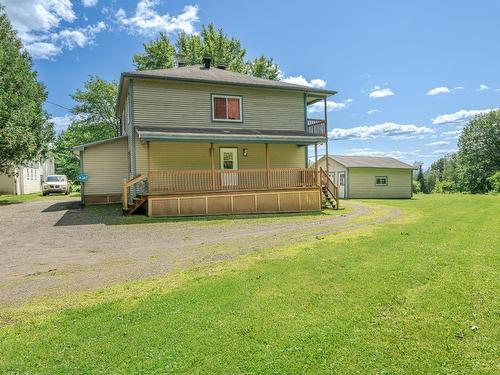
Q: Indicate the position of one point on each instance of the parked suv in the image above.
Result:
(56, 184)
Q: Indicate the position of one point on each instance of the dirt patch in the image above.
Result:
(49, 248)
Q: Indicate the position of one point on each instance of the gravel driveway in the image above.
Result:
(54, 246)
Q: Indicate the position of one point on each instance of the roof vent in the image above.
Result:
(181, 61)
(222, 66)
(206, 62)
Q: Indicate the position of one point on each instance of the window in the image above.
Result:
(381, 181)
(226, 108)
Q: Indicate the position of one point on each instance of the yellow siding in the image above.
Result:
(172, 155)
(361, 183)
(106, 165)
(189, 104)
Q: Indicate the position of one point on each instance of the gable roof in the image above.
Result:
(197, 73)
(352, 161)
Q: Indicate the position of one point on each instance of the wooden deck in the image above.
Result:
(211, 191)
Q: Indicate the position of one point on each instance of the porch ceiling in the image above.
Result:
(184, 134)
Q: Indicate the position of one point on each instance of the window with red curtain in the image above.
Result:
(226, 108)
(233, 109)
(220, 109)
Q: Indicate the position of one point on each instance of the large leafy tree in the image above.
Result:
(158, 54)
(96, 103)
(263, 67)
(211, 42)
(479, 152)
(95, 120)
(25, 131)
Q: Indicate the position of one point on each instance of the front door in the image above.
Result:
(341, 184)
(229, 166)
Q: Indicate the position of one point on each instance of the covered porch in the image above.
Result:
(232, 173)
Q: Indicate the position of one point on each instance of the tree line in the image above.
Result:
(474, 168)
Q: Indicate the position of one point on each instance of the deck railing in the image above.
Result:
(207, 180)
(316, 127)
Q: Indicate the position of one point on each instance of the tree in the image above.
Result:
(211, 42)
(421, 180)
(25, 132)
(479, 152)
(263, 67)
(66, 162)
(158, 54)
(97, 103)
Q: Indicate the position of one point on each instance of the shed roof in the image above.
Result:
(353, 161)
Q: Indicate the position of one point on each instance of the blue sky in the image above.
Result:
(409, 74)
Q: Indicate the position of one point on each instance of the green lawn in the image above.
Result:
(418, 296)
(6, 199)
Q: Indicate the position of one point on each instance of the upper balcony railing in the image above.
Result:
(316, 127)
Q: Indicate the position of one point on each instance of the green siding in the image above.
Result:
(189, 104)
(361, 182)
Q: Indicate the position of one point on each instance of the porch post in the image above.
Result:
(326, 144)
(316, 169)
(212, 161)
(149, 159)
(267, 165)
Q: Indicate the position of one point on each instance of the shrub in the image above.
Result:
(494, 182)
(444, 186)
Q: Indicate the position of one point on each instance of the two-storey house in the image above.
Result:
(201, 140)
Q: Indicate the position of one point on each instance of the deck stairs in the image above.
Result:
(329, 191)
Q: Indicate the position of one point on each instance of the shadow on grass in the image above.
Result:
(112, 215)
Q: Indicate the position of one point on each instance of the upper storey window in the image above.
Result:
(226, 108)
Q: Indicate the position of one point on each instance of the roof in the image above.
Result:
(85, 145)
(151, 133)
(352, 161)
(197, 73)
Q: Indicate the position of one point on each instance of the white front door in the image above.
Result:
(341, 184)
(229, 166)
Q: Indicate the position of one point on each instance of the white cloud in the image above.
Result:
(483, 88)
(300, 80)
(378, 92)
(79, 37)
(89, 3)
(62, 122)
(388, 129)
(445, 151)
(43, 50)
(330, 106)
(438, 90)
(438, 143)
(372, 111)
(458, 88)
(147, 21)
(459, 116)
(39, 25)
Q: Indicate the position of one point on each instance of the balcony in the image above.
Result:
(316, 127)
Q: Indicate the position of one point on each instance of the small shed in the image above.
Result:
(369, 176)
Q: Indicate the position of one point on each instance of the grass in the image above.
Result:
(416, 296)
(6, 199)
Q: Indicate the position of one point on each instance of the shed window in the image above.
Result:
(226, 108)
(381, 181)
